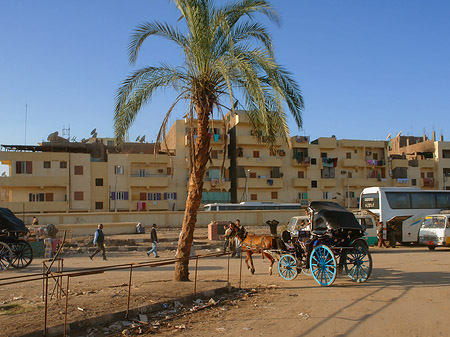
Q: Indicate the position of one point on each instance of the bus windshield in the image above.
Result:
(434, 222)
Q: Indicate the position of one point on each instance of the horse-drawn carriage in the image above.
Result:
(332, 241)
(14, 251)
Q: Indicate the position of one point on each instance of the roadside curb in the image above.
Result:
(58, 330)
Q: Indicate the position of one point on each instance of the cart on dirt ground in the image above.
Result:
(333, 241)
(14, 251)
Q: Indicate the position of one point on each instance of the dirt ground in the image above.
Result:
(407, 295)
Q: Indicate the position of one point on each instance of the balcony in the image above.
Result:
(259, 162)
(215, 184)
(261, 183)
(159, 205)
(401, 182)
(305, 162)
(427, 163)
(37, 207)
(252, 140)
(28, 180)
(215, 139)
(353, 162)
(399, 163)
(153, 180)
(301, 182)
(427, 182)
(329, 182)
(148, 159)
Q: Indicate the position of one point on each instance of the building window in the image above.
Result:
(348, 155)
(327, 195)
(47, 164)
(35, 197)
(255, 154)
(24, 167)
(445, 153)
(99, 182)
(323, 155)
(48, 196)
(253, 196)
(142, 196)
(303, 195)
(154, 196)
(118, 169)
(430, 174)
(109, 143)
(327, 173)
(252, 174)
(274, 195)
(313, 161)
(170, 196)
(98, 205)
(413, 182)
(375, 156)
(78, 170)
(63, 164)
(78, 196)
(314, 183)
(300, 174)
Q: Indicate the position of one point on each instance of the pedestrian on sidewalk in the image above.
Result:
(381, 242)
(237, 242)
(154, 240)
(229, 240)
(99, 241)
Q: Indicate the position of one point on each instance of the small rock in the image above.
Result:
(126, 332)
(143, 318)
(177, 304)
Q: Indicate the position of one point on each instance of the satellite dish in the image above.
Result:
(93, 131)
(142, 139)
(388, 136)
(74, 139)
(137, 139)
(398, 134)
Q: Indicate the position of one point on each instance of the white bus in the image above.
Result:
(251, 206)
(403, 208)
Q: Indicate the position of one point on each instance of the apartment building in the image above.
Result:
(420, 162)
(97, 176)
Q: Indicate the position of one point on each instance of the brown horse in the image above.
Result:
(251, 243)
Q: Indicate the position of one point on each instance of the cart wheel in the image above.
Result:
(22, 254)
(306, 272)
(358, 263)
(323, 265)
(287, 267)
(5, 256)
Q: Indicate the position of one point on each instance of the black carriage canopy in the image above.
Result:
(11, 223)
(329, 215)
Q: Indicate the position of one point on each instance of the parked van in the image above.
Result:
(435, 231)
(370, 228)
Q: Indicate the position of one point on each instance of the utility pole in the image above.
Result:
(247, 173)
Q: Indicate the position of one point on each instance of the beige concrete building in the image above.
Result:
(96, 176)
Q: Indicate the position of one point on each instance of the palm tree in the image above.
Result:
(226, 53)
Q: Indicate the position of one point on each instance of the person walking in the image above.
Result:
(154, 239)
(237, 242)
(99, 241)
(381, 242)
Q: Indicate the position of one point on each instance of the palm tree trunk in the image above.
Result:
(194, 195)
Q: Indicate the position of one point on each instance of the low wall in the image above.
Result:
(125, 222)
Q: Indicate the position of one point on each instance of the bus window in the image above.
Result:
(370, 201)
(398, 200)
(213, 208)
(423, 200)
(443, 200)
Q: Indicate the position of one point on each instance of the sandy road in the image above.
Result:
(408, 294)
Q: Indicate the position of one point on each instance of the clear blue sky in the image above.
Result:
(366, 68)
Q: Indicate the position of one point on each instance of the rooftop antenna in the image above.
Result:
(26, 114)
(66, 132)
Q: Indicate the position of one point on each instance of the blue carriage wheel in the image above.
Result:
(323, 265)
(5, 256)
(358, 263)
(287, 267)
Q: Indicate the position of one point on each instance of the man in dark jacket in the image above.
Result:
(154, 240)
(99, 241)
